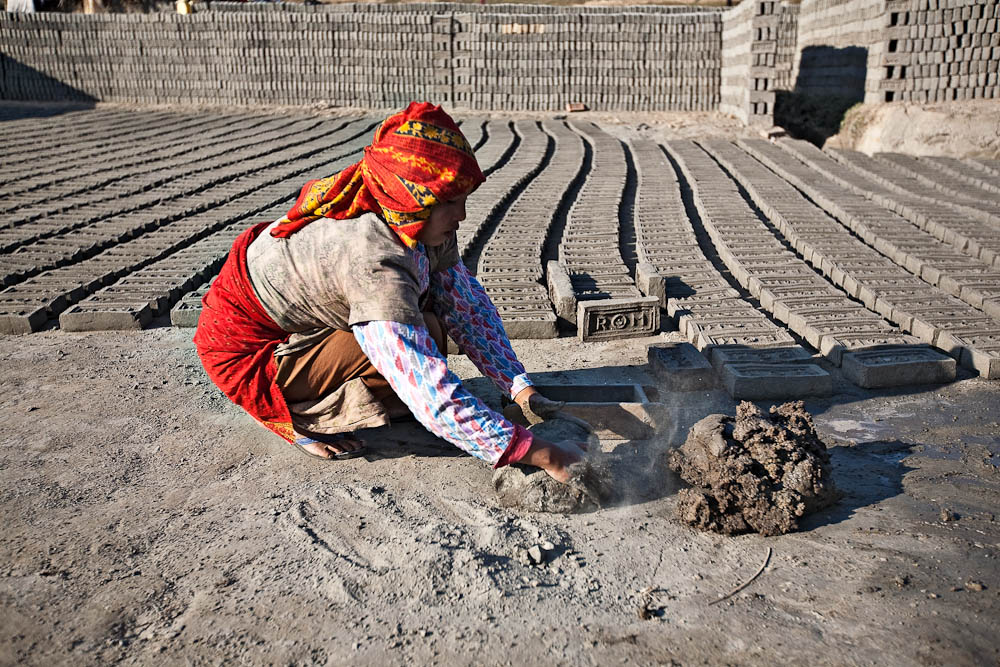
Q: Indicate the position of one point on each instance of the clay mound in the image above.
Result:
(531, 489)
(753, 473)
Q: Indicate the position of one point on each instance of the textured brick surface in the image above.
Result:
(680, 367)
(610, 319)
(753, 382)
(893, 367)
(761, 253)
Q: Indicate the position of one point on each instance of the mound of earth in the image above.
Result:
(953, 129)
(754, 473)
(529, 488)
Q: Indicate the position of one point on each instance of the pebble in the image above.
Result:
(536, 555)
(948, 515)
(548, 546)
(975, 586)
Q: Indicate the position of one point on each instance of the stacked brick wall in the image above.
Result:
(839, 48)
(628, 61)
(756, 58)
(378, 56)
(940, 50)
(511, 57)
(737, 36)
(786, 46)
(443, 7)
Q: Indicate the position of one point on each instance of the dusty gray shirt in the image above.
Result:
(332, 274)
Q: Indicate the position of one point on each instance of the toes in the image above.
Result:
(346, 446)
(318, 449)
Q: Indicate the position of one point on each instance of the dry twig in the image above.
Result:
(767, 559)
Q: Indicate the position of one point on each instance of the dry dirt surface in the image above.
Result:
(146, 520)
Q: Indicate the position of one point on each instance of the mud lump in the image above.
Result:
(754, 473)
(531, 489)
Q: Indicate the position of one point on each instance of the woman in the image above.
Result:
(319, 330)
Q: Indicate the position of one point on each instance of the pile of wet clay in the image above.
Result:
(529, 488)
(754, 473)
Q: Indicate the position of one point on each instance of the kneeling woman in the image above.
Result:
(333, 318)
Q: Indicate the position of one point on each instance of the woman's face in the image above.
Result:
(443, 222)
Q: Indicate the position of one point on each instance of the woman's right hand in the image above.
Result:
(554, 457)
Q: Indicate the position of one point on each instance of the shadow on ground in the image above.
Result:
(830, 81)
(866, 473)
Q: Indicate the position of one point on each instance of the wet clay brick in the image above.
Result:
(612, 319)
(681, 367)
(101, 317)
(897, 367)
(775, 381)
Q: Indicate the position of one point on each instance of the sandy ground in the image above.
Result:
(148, 521)
(953, 129)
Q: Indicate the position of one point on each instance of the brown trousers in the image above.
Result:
(316, 371)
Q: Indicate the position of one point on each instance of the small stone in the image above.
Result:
(548, 546)
(948, 515)
(536, 555)
(975, 586)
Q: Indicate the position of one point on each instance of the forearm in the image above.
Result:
(409, 360)
(472, 321)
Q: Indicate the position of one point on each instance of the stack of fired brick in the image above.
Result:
(839, 49)
(589, 251)
(957, 315)
(791, 290)
(758, 39)
(96, 236)
(941, 50)
(438, 7)
(489, 57)
(630, 60)
(708, 311)
(245, 58)
(511, 265)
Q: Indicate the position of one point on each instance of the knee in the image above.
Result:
(436, 329)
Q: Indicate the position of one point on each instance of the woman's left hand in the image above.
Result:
(534, 404)
(536, 408)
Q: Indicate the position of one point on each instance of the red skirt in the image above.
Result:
(236, 340)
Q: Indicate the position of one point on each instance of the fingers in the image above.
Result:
(558, 474)
(543, 407)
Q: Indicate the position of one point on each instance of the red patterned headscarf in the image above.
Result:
(418, 158)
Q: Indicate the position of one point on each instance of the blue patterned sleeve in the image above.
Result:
(472, 321)
(409, 360)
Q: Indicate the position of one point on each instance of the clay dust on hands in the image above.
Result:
(532, 489)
